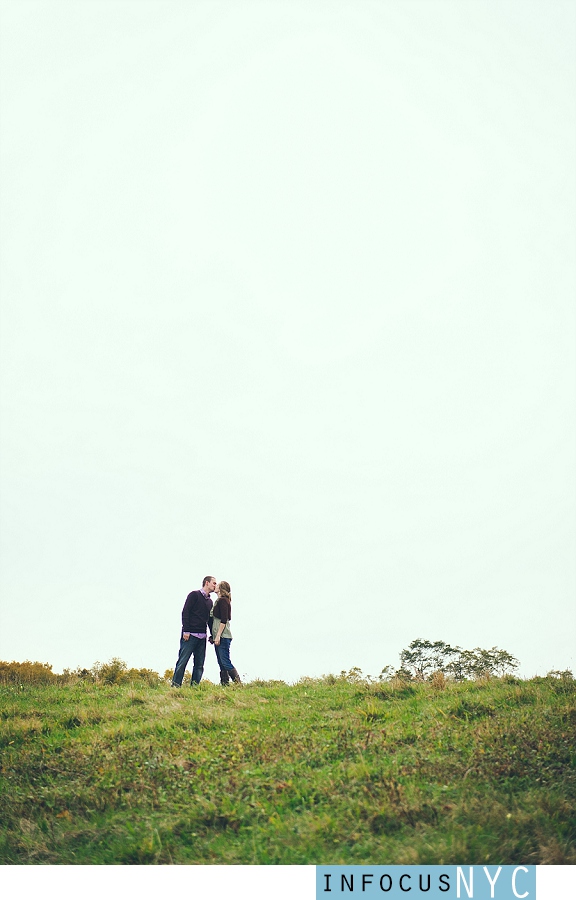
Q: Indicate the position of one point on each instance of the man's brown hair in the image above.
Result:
(208, 578)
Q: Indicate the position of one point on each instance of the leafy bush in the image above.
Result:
(354, 676)
(113, 672)
(116, 671)
(27, 673)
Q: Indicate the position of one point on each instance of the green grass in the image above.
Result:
(322, 772)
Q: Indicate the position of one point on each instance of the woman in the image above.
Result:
(221, 634)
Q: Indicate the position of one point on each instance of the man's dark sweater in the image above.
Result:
(196, 613)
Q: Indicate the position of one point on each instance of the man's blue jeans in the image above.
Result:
(196, 646)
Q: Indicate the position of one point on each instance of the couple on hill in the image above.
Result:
(198, 615)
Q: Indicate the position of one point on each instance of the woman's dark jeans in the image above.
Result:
(223, 654)
(196, 646)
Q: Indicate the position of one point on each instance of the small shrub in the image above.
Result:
(355, 676)
(146, 676)
(113, 672)
(117, 672)
(401, 675)
(561, 682)
(69, 676)
(438, 681)
(563, 675)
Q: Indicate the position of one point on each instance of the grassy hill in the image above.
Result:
(326, 771)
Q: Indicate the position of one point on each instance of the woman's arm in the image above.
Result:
(221, 628)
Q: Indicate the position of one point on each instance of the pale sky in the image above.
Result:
(288, 298)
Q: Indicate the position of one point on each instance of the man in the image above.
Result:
(195, 617)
